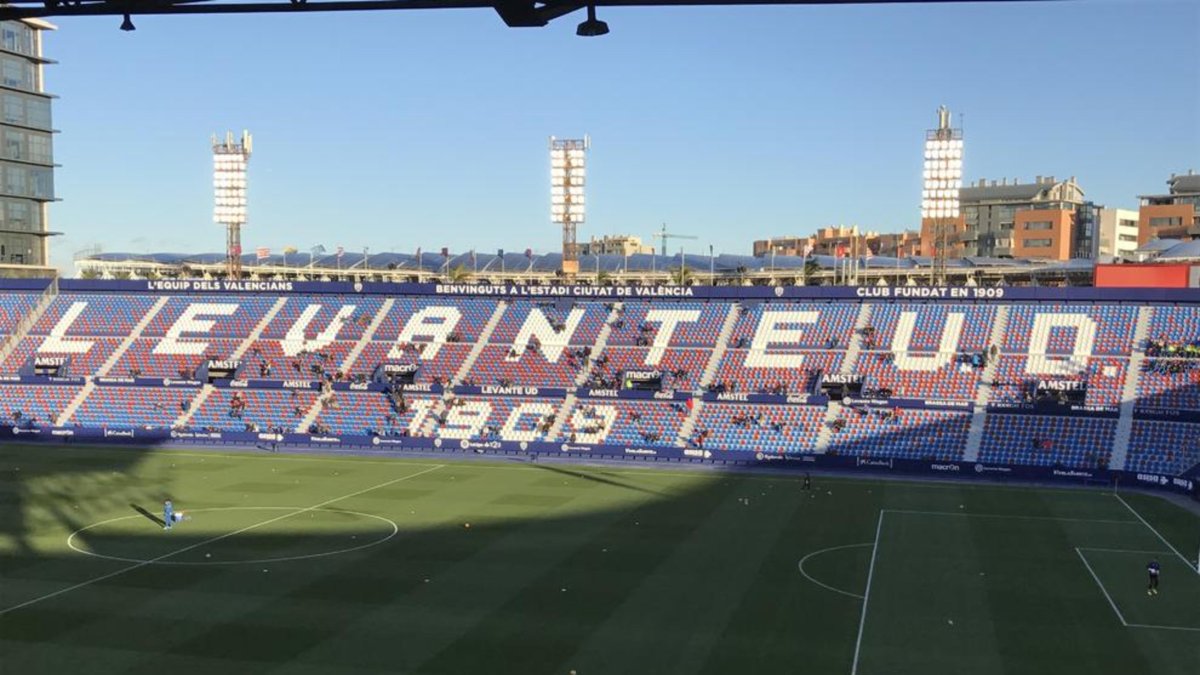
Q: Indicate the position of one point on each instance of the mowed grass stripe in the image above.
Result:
(730, 546)
(597, 582)
(475, 573)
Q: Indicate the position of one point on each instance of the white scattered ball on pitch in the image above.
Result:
(950, 621)
(564, 590)
(264, 570)
(829, 492)
(426, 581)
(207, 555)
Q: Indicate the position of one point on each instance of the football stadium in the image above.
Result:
(933, 452)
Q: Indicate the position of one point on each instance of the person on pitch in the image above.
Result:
(1153, 569)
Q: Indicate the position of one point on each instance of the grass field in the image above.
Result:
(307, 566)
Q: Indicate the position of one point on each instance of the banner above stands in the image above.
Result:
(818, 293)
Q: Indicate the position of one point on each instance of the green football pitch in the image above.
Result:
(320, 565)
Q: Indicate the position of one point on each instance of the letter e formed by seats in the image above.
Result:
(902, 339)
(189, 323)
(769, 332)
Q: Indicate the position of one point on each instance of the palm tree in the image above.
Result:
(121, 275)
(90, 273)
(681, 276)
(459, 273)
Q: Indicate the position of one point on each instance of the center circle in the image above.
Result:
(383, 529)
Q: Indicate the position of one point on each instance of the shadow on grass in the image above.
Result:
(594, 478)
(158, 521)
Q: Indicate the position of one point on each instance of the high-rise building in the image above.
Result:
(1047, 219)
(26, 156)
(1117, 233)
(1175, 215)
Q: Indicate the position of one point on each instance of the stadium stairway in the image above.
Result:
(207, 390)
(850, 360)
(984, 393)
(560, 419)
(314, 411)
(718, 352)
(689, 424)
(113, 358)
(367, 336)
(834, 410)
(1137, 358)
(106, 367)
(430, 428)
(485, 337)
(825, 435)
(21, 330)
(601, 343)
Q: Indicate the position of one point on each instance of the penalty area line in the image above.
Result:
(1103, 590)
(1186, 563)
(212, 540)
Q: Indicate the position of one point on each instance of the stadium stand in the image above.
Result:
(14, 307)
(638, 423)
(774, 429)
(909, 434)
(1163, 447)
(324, 363)
(1036, 440)
(132, 407)
(23, 405)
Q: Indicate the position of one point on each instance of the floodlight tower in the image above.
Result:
(568, 176)
(942, 183)
(229, 194)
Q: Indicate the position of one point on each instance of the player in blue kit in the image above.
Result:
(1153, 569)
(168, 514)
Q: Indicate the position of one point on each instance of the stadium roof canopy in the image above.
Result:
(1184, 250)
(548, 263)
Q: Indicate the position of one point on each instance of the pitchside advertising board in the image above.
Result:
(396, 445)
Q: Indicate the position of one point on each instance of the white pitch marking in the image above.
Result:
(298, 509)
(862, 622)
(1186, 563)
(185, 549)
(1015, 516)
(1101, 585)
(824, 585)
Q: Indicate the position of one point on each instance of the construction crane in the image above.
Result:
(664, 235)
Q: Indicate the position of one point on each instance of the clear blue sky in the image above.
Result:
(406, 129)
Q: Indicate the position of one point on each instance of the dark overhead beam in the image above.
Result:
(514, 12)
